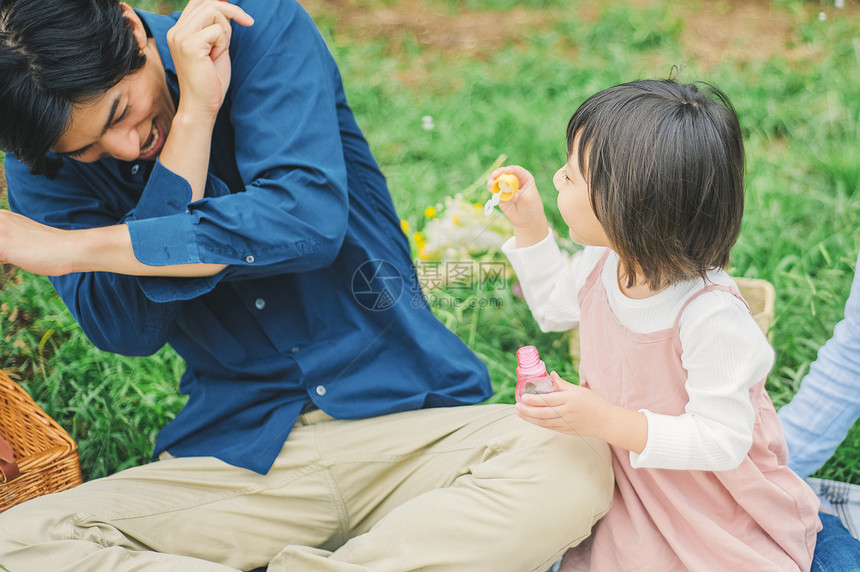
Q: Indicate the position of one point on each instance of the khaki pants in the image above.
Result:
(463, 489)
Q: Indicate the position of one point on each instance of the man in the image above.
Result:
(247, 224)
(817, 420)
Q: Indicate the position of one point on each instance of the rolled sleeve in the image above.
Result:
(164, 241)
(276, 199)
(165, 193)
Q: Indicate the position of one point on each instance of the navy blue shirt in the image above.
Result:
(319, 303)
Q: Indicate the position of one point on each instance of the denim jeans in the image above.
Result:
(836, 550)
(827, 404)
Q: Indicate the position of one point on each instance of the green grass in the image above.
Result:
(112, 405)
(801, 230)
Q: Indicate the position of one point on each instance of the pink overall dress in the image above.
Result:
(758, 517)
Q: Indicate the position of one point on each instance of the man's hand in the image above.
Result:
(199, 44)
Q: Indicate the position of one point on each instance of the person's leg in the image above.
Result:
(455, 488)
(835, 549)
(827, 404)
(180, 514)
(466, 488)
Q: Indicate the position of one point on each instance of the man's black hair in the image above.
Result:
(55, 54)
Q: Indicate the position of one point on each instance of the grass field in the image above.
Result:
(502, 77)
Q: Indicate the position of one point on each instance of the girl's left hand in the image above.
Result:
(577, 410)
(571, 409)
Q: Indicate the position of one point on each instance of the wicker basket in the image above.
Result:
(47, 457)
(759, 294)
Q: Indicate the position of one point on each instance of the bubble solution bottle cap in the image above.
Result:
(531, 373)
(529, 362)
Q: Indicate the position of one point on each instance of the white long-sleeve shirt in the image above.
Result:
(724, 351)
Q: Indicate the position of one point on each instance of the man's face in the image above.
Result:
(129, 122)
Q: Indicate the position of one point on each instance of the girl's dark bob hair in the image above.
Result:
(664, 163)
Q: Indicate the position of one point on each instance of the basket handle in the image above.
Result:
(8, 466)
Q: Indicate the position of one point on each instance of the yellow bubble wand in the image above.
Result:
(504, 188)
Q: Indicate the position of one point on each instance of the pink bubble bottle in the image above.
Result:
(531, 373)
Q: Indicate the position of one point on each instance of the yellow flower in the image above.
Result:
(430, 212)
(456, 219)
(478, 206)
(418, 238)
(404, 226)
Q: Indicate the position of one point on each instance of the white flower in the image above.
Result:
(462, 229)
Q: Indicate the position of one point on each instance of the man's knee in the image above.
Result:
(33, 522)
(577, 475)
(565, 482)
(54, 528)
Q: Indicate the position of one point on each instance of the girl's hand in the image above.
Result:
(576, 410)
(572, 409)
(525, 210)
(199, 43)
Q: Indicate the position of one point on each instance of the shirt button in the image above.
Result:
(320, 390)
(135, 169)
(294, 349)
(260, 303)
(249, 259)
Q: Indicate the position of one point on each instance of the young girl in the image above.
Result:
(673, 366)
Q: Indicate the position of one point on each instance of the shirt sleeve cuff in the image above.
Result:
(165, 193)
(164, 241)
(167, 241)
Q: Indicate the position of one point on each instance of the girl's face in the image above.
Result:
(574, 204)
